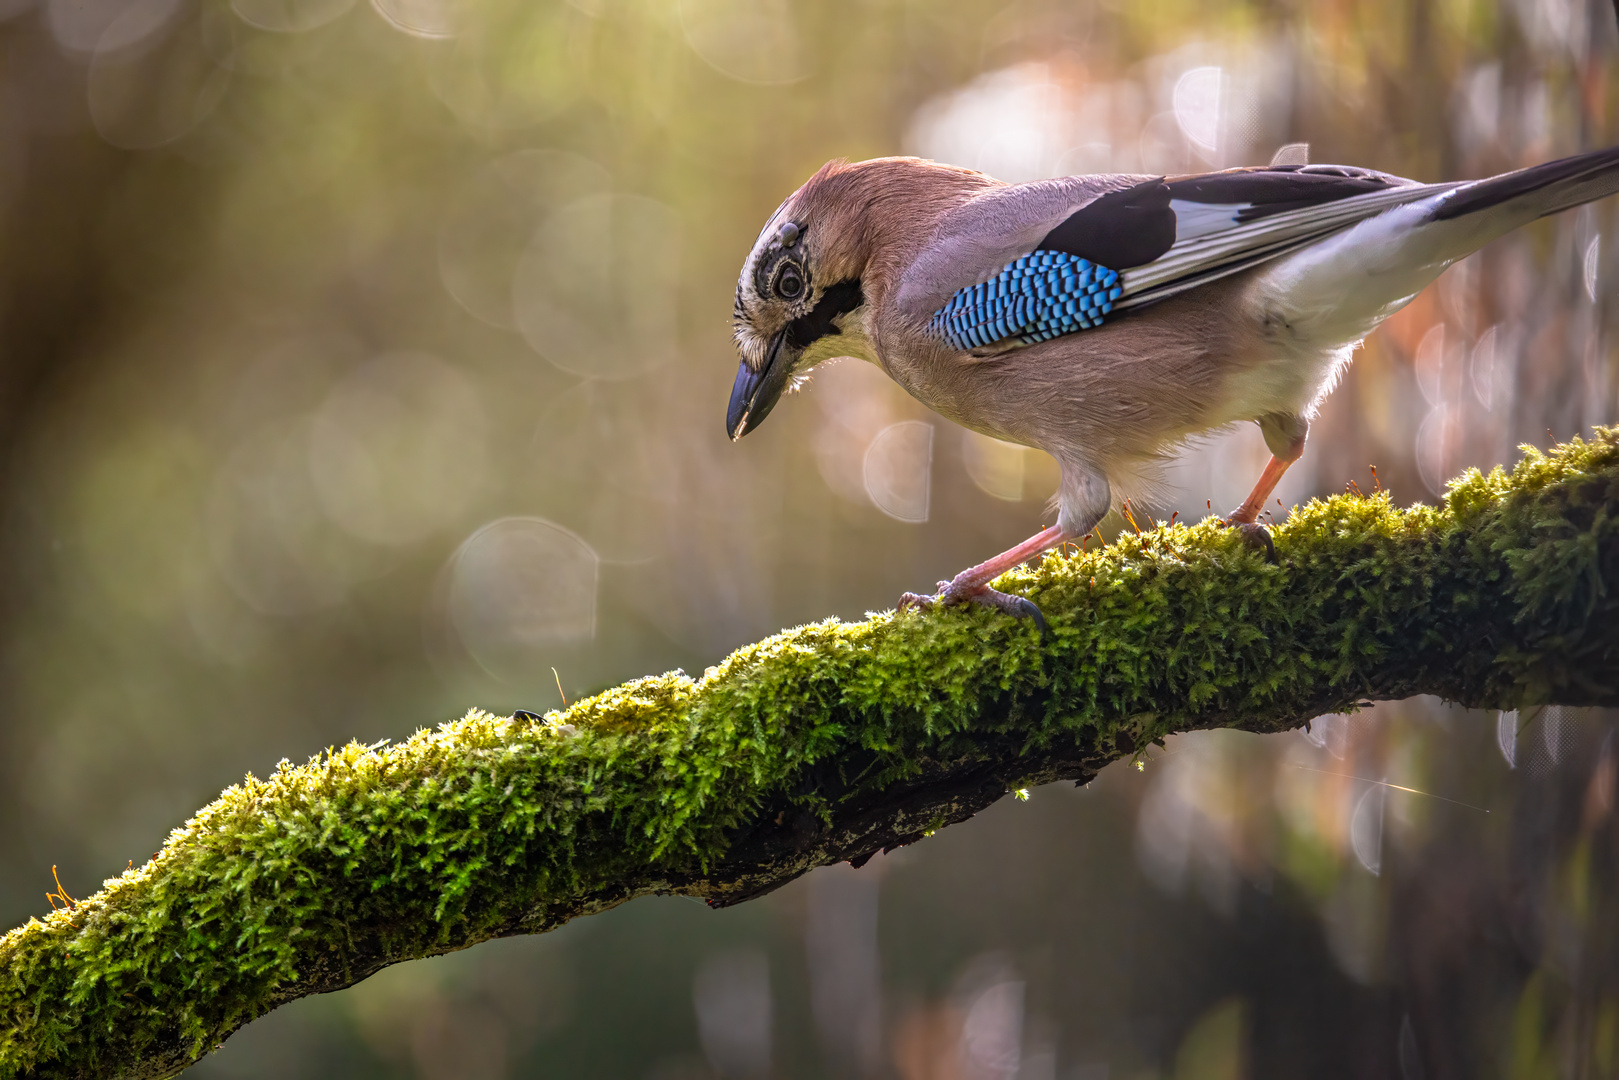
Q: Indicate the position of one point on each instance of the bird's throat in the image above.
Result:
(850, 338)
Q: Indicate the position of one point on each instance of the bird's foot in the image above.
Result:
(959, 592)
(1255, 536)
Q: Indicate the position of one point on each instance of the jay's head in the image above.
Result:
(799, 282)
(836, 243)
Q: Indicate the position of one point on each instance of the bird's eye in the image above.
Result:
(790, 286)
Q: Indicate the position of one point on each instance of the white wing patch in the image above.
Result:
(1193, 219)
(1229, 249)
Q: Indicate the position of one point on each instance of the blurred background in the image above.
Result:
(362, 361)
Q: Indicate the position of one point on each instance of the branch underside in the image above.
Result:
(825, 743)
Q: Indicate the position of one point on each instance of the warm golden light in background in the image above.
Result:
(364, 362)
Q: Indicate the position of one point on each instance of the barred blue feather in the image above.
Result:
(1037, 297)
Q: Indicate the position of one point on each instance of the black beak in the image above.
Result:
(756, 392)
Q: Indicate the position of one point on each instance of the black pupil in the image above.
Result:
(790, 284)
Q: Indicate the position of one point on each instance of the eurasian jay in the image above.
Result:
(1105, 319)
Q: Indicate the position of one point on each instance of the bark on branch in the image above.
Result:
(824, 743)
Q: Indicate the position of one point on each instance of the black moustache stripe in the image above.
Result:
(835, 300)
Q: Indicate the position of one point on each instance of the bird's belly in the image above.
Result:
(1291, 381)
(1127, 391)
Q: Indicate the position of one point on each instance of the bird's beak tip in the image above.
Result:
(755, 392)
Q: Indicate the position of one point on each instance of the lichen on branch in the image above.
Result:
(828, 742)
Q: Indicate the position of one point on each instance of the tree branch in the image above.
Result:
(824, 743)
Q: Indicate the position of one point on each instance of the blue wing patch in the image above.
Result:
(1039, 296)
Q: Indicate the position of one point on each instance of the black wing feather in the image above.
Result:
(1132, 227)
(1119, 230)
(1274, 189)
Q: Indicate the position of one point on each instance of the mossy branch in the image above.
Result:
(824, 743)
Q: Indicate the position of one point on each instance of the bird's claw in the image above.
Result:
(950, 592)
(1256, 536)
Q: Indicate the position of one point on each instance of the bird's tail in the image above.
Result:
(1519, 197)
(1338, 290)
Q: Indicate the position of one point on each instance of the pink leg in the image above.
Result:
(985, 572)
(972, 584)
(1285, 436)
(1248, 512)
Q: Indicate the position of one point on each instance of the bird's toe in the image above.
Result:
(951, 593)
(1019, 607)
(956, 592)
(915, 602)
(1257, 537)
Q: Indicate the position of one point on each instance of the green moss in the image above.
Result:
(805, 748)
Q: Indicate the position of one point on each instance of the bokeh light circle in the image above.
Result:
(146, 90)
(86, 26)
(597, 289)
(289, 16)
(898, 470)
(488, 224)
(421, 18)
(520, 586)
(239, 40)
(1197, 103)
(996, 467)
(514, 65)
(752, 41)
(268, 535)
(596, 453)
(398, 448)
